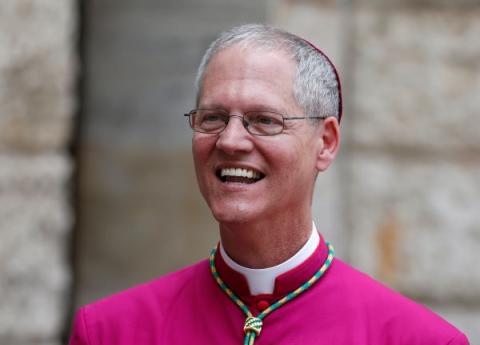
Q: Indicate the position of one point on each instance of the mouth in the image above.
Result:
(239, 175)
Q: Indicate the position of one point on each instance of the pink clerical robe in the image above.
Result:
(346, 307)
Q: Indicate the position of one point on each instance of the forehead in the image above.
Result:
(249, 75)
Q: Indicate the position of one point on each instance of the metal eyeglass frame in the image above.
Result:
(242, 117)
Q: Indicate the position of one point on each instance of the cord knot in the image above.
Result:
(253, 324)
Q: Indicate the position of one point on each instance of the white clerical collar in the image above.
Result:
(262, 281)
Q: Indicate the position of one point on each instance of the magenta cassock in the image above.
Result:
(187, 307)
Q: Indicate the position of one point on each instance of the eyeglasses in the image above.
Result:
(214, 121)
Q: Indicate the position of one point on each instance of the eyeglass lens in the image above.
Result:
(256, 122)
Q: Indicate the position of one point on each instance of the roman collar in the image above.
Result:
(287, 276)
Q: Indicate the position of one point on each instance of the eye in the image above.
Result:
(210, 121)
(212, 117)
(264, 122)
(265, 119)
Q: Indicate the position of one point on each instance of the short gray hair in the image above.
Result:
(316, 86)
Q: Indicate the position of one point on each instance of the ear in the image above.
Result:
(329, 142)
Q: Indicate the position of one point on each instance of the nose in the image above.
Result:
(235, 138)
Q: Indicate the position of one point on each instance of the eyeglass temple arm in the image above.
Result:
(306, 117)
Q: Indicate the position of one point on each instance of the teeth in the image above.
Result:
(240, 173)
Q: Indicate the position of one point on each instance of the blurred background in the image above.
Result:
(97, 189)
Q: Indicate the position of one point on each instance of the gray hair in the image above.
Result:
(316, 87)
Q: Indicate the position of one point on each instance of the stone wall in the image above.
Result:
(407, 182)
(37, 69)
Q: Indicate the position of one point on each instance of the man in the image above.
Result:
(266, 123)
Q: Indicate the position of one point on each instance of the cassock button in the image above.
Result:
(262, 305)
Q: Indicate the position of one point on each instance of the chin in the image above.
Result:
(234, 214)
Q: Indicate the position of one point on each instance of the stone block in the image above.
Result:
(323, 25)
(419, 4)
(416, 224)
(416, 79)
(37, 68)
(34, 223)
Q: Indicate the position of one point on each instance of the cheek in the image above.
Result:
(202, 151)
(297, 165)
(201, 148)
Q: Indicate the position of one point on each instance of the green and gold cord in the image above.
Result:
(253, 324)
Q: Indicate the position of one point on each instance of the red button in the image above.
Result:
(262, 305)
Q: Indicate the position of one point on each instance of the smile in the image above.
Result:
(239, 175)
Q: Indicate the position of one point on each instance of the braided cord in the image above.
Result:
(253, 324)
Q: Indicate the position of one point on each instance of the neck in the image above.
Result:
(262, 281)
(265, 243)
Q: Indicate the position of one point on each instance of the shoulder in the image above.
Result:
(401, 319)
(146, 305)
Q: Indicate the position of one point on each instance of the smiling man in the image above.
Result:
(266, 124)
